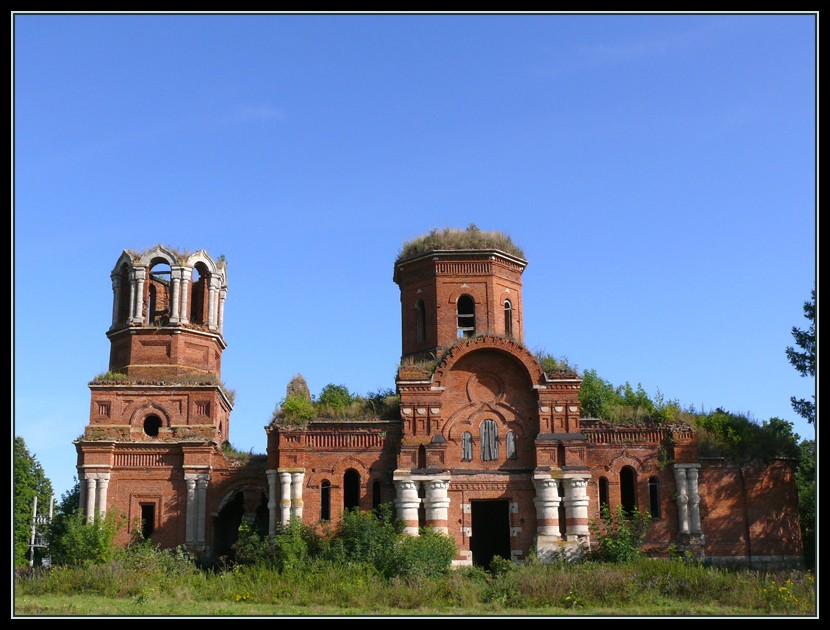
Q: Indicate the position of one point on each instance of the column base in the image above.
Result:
(554, 549)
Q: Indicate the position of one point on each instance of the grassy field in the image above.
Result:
(644, 588)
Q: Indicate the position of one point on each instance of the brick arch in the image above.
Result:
(137, 417)
(457, 293)
(237, 486)
(510, 347)
(626, 459)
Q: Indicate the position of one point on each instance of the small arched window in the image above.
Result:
(152, 424)
(508, 318)
(654, 496)
(420, 322)
(489, 440)
(466, 316)
(510, 445)
(467, 447)
(325, 500)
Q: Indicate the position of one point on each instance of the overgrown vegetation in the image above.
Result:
(195, 378)
(457, 239)
(372, 538)
(298, 407)
(143, 580)
(618, 536)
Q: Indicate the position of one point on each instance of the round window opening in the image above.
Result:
(152, 425)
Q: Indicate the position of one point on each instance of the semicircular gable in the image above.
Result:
(505, 345)
(128, 258)
(158, 254)
(201, 257)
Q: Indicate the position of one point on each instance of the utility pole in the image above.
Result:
(39, 522)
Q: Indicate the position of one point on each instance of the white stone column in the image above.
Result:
(272, 501)
(184, 314)
(407, 503)
(201, 507)
(576, 508)
(175, 290)
(297, 494)
(693, 495)
(285, 497)
(91, 482)
(138, 313)
(131, 311)
(437, 503)
(682, 498)
(190, 514)
(547, 508)
(221, 319)
(213, 302)
(101, 499)
(116, 295)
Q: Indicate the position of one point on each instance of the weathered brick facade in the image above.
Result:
(488, 448)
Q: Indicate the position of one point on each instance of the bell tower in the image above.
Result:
(161, 412)
(450, 289)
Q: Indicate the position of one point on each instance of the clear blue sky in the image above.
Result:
(659, 172)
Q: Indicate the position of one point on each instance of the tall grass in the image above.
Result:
(152, 580)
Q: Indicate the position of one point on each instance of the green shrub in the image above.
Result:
(296, 410)
(74, 542)
(427, 555)
(619, 536)
(290, 547)
(335, 396)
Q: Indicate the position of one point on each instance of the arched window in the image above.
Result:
(489, 440)
(508, 318)
(325, 500)
(152, 424)
(420, 322)
(351, 489)
(510, 445)
(376, 496)
(467, 447)
(628, 489)
(158, 294)
(603, 493)
(422, 456)
(466, 316)
(654, 497)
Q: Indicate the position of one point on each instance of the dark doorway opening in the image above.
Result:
(226, 526)
(148, 520)
(490, 531)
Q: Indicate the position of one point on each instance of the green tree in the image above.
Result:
(29, 482)
(805, 478)
(804, 360)
(336, 396)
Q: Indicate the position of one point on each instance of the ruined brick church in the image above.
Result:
(486, 447)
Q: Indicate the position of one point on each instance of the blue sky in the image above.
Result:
(659, 172)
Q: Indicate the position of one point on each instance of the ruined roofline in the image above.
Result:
(470, 240)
